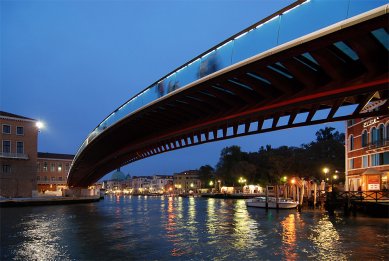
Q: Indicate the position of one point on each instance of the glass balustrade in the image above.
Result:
(296, 22)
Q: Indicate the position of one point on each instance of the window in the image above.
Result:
(52, 178)
(38, 166)
(67, 166)
(351, 144)
(351, 163)
(59, 167)
(365, 162)
(6, 129)
(364, 138)
(45, 178)
(387, 131)
(6, 168)
(380, 134)
(38, 178)
(6, 146)
(20, 147)
(52, 167)
(60, 178)
(45, 166)
(373, 137)
(380, 159)
(19, 130)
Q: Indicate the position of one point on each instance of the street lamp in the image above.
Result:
(211, 183)
(242, 181)
(326, 170)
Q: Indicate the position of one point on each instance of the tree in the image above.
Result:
(206, 174)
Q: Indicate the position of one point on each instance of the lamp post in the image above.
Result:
(326, 170)
(242, 181)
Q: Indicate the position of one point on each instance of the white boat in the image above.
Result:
(260, 202)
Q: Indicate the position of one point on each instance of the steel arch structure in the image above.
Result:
(345, 64)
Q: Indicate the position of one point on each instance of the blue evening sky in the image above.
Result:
(70, 63)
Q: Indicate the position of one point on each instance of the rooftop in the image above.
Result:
(11, 115)
(47, 155)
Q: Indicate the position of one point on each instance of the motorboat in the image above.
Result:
(260, 202)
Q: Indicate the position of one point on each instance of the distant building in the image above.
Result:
(367, 154)
(52, 171)
(116, 181)
(186, 181)
(141, 184)
(161, 184)
(18, 155)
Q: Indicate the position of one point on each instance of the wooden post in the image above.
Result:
(301, 196)
(267, 197)
(314, 195)
(276, 196)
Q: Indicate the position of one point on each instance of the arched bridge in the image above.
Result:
(299, 66)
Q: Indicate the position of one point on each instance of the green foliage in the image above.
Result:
(269, 165)
(206, 174)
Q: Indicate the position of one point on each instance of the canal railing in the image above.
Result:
(374, 203)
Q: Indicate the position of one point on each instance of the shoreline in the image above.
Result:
(44, 201)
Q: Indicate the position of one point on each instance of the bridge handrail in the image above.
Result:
(277, 29)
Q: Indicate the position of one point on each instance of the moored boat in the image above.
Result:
(260, 202)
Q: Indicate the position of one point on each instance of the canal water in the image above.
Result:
(166, 228)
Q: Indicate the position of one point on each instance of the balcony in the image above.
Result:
(377, 144)
(10, 155)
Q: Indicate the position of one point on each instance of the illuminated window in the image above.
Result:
(45, 166)
(52, 167)
(59, 167)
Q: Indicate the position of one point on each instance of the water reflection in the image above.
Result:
(289, 244)
(40, 239)
(326, 240)
(171, 228)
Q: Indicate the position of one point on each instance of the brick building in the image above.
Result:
(18, 155)
(367, 153)
(52, 171)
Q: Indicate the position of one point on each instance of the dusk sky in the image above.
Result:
(70, 63)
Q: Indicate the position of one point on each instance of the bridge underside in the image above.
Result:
(282, 90)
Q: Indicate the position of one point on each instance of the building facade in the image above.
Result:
(52, 171)
(18, 155)
(186, 182)
(161, 184)
(367, 154)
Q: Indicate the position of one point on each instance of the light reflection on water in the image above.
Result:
(167, 228)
